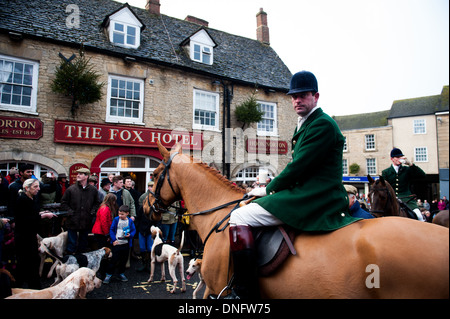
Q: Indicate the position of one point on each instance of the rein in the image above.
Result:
(159, 201)
(159, 184)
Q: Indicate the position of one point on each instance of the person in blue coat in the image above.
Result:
(121, 232)
(354, 205)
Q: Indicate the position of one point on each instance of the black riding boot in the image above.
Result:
(244, 262)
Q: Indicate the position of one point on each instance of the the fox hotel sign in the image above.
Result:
(116, 135)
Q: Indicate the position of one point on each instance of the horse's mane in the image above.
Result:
(216, 174)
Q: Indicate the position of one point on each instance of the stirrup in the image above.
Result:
(227, 287)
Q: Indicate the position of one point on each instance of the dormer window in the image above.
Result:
(124, 28)
(124, 34)
(202, 53)
(200, 47)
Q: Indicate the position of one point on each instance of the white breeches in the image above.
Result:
(419, 214)
(253, 215)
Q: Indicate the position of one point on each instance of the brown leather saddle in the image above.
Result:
(273, 245)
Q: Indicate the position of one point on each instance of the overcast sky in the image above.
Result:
(364, 53)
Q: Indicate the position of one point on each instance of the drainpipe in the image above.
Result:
(226, 123)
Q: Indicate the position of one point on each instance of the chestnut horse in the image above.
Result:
(383, 200)
(377, 258)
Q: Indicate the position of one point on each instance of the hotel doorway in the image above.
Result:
(139, 167)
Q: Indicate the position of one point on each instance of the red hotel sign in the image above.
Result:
(266, 146)
(116, 135)
(20, 127)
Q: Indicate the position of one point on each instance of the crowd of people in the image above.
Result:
(108, 216)
(112, 213)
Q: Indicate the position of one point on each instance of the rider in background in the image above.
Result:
(400, 175)
(295, 196)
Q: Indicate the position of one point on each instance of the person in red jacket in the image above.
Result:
(105, 214)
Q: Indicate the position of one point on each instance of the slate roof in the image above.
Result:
(362, 121)
(236, 58)
(426, 105)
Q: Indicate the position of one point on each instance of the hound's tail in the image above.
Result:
(181, 243)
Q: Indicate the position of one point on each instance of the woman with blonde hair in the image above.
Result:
(27, 217)
(105, 214)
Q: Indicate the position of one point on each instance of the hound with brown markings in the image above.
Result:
(75, 286)
(163, 252)
(195, 266)
(51, 245)
(71, 263)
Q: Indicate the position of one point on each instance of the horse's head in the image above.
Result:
(382, 197)
(165, 190)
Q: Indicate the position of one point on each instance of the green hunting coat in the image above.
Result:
(308, 194)
(400, 182)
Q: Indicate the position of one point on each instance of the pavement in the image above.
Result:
(137, 286)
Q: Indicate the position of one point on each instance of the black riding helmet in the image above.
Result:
(303, 81)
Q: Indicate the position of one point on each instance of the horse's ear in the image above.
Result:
(163, 151)
(382, 181)
(370, 179)
(178, 148)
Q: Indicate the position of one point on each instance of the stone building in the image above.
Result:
(418, 126)
(164, 79)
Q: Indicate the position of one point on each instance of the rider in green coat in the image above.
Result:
(308, 194)
(400, 175)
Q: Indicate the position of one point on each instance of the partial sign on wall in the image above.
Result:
(20, 127)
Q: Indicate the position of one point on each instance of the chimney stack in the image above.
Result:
(197, 20)
(262, 30)
(153, 7)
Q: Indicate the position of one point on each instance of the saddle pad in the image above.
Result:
(271, 249)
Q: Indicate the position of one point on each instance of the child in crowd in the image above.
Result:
(103, 221)
(121, 232)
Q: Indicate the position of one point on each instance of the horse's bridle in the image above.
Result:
(159, 202)
(389, 198)
(157, 194)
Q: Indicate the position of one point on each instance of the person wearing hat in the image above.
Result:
(13, 175)
(105, 186)
(81, 202)
(400, 175)
(307, 195)
(354, 205)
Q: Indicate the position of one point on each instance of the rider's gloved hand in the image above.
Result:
(258, 192)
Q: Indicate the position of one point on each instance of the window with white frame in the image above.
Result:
(124, 29)
(420, 126)
(206, 110)
(420, 154)
(345, 144)
(201, 47)
(268, 124)
(202, 53)
(124, 34)
(370, 142)
(344, 166)
(125, 100)
(371, 164)
(18, 84)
